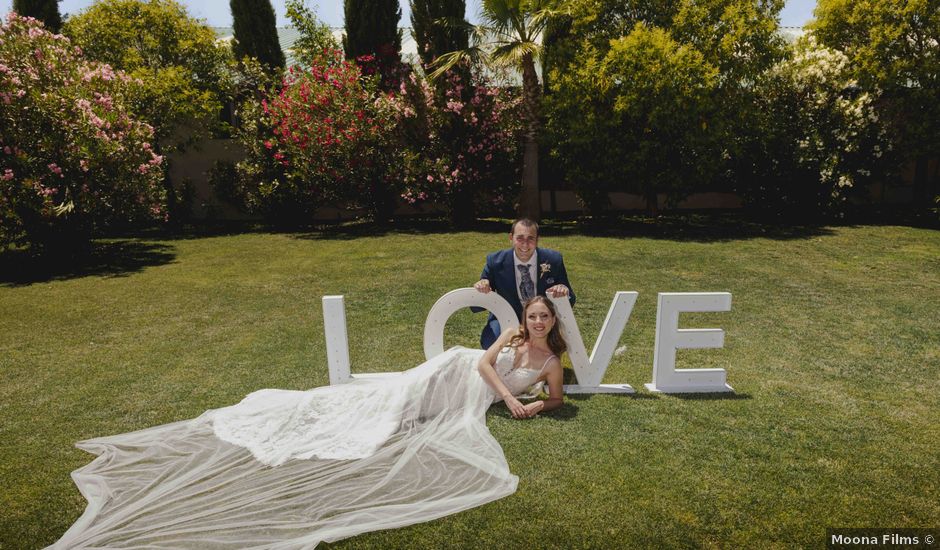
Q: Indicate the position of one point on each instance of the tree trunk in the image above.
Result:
(920, 181)
(530, 199)
(463, 208)
(173, 205)
(529, 203)
(652, 203)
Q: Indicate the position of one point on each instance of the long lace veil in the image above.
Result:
(288, 469)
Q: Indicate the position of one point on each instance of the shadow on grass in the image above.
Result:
(692, 226)
(698, 227)
(405, 226)
(568, 411)
(723, 396)
(110, 259)
(588, 396)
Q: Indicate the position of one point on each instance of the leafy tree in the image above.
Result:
(255, 28)
(73, 159)
(509, 37)
(183, 69)
(654, 98)
(737, 39)
(433, 36)
(315, 36)
(184, 72)
(46, 11)
(893, 46)
(372, 36)
(594, 23)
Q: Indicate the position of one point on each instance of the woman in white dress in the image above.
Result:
(288, 469)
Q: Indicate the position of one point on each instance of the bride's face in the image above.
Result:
(539, 320)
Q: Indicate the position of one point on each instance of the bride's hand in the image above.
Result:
(517, 409)
(534, 408)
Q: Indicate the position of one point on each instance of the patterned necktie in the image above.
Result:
(526, 287)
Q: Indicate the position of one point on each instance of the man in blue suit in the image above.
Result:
(521, 273)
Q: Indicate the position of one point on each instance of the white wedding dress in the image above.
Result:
(288, 469)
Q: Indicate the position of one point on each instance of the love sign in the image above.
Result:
(589, 370)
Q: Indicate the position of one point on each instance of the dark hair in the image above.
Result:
(526, 222)
(556, 342)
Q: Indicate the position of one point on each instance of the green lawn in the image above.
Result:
(832, 346)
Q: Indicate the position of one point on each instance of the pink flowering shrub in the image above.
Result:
(331, 135)
(323, 137)
(459, 144)
(72, 159)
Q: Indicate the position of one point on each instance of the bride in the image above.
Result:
(288, 469)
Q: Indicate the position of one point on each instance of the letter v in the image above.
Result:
(590, 371)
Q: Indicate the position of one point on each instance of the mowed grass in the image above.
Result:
(832, 346)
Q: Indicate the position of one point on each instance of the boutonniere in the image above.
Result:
(543, 269)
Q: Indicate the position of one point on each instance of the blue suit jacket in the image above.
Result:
(500, 271)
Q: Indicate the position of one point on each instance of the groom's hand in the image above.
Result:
(483, 285)
(557, 291)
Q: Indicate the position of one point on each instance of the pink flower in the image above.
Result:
(54, 168)
(7, 175)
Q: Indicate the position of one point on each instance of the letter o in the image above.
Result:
(454, 300)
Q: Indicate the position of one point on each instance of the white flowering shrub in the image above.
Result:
(818, 138)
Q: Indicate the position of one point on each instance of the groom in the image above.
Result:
(520, 273)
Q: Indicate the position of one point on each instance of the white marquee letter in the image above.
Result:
(456, 300)
(590, 371)
(337, 346)
(669, 338)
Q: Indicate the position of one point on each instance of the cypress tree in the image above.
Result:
(432, 38)
(256, 32)
(372, 29)
(46, 11)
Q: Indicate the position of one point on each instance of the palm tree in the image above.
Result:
(509, 35)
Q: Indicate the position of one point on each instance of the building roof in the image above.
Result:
(791, 34)
(286, 36)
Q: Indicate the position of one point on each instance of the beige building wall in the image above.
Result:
(194, 165)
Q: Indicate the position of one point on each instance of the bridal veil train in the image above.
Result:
(288, 469)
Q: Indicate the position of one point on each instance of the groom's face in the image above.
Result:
(524, 239)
